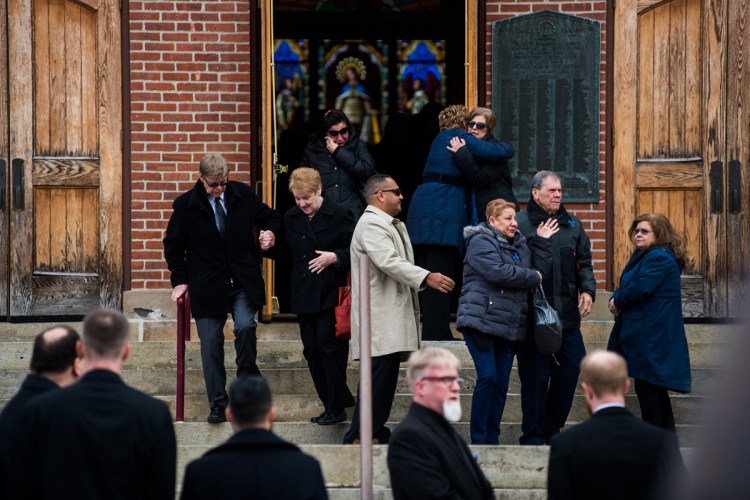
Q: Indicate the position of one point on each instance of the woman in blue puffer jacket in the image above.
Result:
(499, 271)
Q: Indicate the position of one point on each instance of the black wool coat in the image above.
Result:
(428, 459)
(329, 230)
(257, 464)
(197, 256)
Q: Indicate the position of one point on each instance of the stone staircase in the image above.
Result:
(515, 472)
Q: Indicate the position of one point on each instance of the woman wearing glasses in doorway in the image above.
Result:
(341, 158)
(489, 179)
(648, 329)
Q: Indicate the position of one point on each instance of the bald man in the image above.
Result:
(614, 454)
(53, 365)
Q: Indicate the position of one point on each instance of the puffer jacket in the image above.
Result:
(572, 270)
(343, 173)
(498, 275)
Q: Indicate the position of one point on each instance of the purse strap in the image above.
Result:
(540, 291)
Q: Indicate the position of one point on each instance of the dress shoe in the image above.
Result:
(314, 420)
(217, 415)
(330, 418)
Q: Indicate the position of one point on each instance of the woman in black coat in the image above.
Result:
(343, 161)
(489, 180)
(318, 233)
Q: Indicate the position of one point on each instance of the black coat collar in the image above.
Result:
(537, 214)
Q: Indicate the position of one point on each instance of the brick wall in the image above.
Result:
(591, 214)
(190, 94)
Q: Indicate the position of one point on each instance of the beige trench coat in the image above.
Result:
(394, 283)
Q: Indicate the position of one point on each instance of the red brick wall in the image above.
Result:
(591, 214)
(190, 94)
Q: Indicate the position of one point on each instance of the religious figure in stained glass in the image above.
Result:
(353, 99)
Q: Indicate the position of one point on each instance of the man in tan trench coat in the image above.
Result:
(394, 306)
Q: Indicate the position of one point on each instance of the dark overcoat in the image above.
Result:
(649, 331)
(254, 463)
(428, 459)
(329, 230)
(613, 455)
(99, 439)
(197, 256)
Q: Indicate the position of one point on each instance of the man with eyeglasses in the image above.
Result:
(210, 249)
(548, 383)
(394, 307)
(426, 456)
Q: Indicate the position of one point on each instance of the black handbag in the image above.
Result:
(547, 325)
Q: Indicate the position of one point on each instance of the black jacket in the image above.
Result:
(428, 459)
(99, 439)
(344, 172)
(489, 179)
(613, 455)
(572, 271)
(196, 254)
(257, 464)
(330, 230)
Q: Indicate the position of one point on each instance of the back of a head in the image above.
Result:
(105, 333)
(605, 372)
(54, 350)
(249, 400)
(429, 357)
(454, 116)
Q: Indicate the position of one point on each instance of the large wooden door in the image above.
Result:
(682, 139)
(61, 142)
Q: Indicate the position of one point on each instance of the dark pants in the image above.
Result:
(436, 306)
(211, 333)
(655, 405)
(547, 386)
(490, 392)
(326, 358)
(384, 380)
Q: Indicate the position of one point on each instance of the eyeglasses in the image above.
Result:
(335, 133)
(477, 125)
(445, 380)
(644, 232)
(395, 191)
(216, 184)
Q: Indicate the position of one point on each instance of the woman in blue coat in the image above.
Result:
(648, 318)
(499, 271)
(439, 210)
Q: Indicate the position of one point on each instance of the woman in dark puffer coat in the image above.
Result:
(499, 271)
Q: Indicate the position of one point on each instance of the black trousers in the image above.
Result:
(436, 306)
(655, 405)
(327, 358)
(384, 380)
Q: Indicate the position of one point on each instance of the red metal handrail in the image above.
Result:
(365, 381)
(183, 335)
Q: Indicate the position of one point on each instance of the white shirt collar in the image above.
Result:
(609, 405)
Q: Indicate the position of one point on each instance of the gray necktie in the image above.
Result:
(221, 218)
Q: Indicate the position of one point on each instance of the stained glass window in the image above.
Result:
(292, 83)
(421, 74)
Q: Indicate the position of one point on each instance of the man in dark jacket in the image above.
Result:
(614, 454)
(53, 365)
(548, 384)
(426, 456)
(209, 246)
(254, 463)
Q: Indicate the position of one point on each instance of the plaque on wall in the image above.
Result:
(545, 95)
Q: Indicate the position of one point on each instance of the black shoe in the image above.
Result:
(314, 420)
(217, 415)
(330, 418)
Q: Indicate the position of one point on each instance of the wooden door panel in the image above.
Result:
(65, 103)
(4, 163)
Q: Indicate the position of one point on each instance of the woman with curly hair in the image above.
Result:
(439, 210)
(648, 329)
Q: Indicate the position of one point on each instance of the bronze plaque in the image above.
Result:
(545, 95)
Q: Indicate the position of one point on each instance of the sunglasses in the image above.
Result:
(395, 191)
(216, 184)
(477, 125)
(335, 133)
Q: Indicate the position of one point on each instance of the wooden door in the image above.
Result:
(680, 133)
(63, 127)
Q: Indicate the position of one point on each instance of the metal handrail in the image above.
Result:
(183, 335)
(365, 381)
